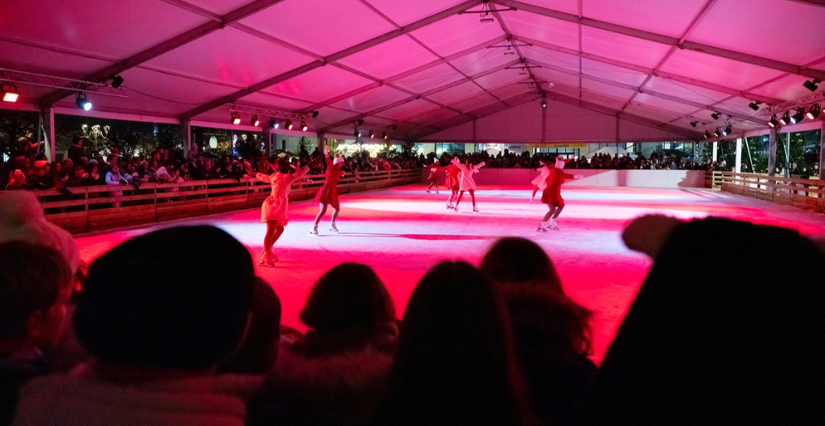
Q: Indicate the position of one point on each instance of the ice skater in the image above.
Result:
(466, 182)
(275, 209)
(552, 194)
(433, 177)
(538, 182)
(452, 182)
(328, 195)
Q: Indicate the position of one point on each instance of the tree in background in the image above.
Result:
(13, 126)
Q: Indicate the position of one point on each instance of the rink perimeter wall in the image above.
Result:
(599, 178)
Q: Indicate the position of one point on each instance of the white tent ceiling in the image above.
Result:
(421, 65)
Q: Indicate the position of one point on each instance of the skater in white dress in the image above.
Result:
(538, 183)
(466, 182)
(275, 209)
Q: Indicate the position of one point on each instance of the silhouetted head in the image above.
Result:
(521, 261)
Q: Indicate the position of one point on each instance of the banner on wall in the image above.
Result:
(560, 145)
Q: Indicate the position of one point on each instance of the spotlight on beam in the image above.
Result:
(254, 121)
(288, 124)
(715, 115)
(385, 136)
(236, 118)
(543, 103)
(82, 102)
(10, 92)
(813, 113)
(357, 133)
(315, 114)
(692, 124)
(117, 81)
(360, 122)
(717, 132)
(786, 118)
(727, 130)
(274, 124)
(304, 127)
(372, 134)
(799, 116)
(707, 134)
(773, 122)
(812, 85)
(754, 105)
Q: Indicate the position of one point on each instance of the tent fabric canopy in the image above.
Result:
(422, 66)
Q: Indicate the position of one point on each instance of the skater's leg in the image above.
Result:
(551, 210)
(270, 231)
(335, 214)
(458, 200)
(321, 213)
(473, 196)
(279, 230)
(558, 211)
(430, 186)
(533, 197)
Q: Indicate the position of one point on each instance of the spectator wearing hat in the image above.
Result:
(18, 181)
(157, 335)
(35, 288)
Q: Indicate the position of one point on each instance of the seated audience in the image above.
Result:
(736, 341)
(335, 374)
(520, 261)
(260, 348)
(35, 286)
(454, 363)
(158, 326)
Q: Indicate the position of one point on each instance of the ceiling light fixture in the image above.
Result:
(304, 127)
(543, 103)
(236, 118)
(372, 134)
(754, 105)
(117, 81)
(715, 115)
(813, 113)
(385, 136)
(315, 114)
(254, 121)
(773, 121)
(692, 124)
(274, 124)
(82, 102)
(727, 130)
(357, 133)
(10, 92)
(707, 134)
(717, 132)
(799, 116)
(812, 84)
(785, 119)
(288, 124)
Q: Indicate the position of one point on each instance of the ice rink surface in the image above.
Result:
(402, 232)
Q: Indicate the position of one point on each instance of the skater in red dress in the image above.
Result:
(552, 194)
(433, 177)
(328, 195)
(275, 209)
(452, 181)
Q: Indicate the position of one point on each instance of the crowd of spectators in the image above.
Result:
(180, 340)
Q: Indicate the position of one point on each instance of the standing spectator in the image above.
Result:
(78, 177)
(35, 287)
(115, 180)
(75, 152)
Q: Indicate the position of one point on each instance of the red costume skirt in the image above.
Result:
(552, 195)
(328, 195)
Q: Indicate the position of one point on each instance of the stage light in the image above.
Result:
(754, 105)
(82, 102)
(543, 103)
(773, 122)
(715, 115)
(813, 113)
(707, 134)
(692, 124)
(727, 130)
(360, 122)
(811, 85)
(717, 132)
(304, 127)
(254, 121)
(385, 136)
(786, 118)
(799, 116)
(372, 134)
(357, 133)
(117, 81)
(236, 118)
(10, 92)
(315, 114)
(288, 124)
(274, 124)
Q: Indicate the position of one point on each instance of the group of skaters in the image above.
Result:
(459, 178)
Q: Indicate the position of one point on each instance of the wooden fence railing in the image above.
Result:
(92, 208)
(808, 194)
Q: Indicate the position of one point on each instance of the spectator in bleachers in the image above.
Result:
(335, 374)
(260, 348)
(520, 261)
(35, 286)
(454, 363)
(158, 326)
(732, 342)
(18, 182)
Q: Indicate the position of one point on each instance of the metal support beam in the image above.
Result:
(331, 58)
(166, 46)
(415, 97)
(186, 136)
(322, 140)
(47, 124)
(649, 71)
(737, 168)
(772, 152)
(267, 137)
(667, 40)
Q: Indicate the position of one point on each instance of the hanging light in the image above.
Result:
(773, 122)
(727, 130)
(385, 136)
(117, 81)
(717, 132)
(786, 118)
(213, 142)
(813, 113)
(288, 124)
(811, 84)
(707, 134)
(315, 114)
(372, 134)
(799, 116)
(82, 102)
(10, 92)
(236, 118)
(715, 115)
(357, 133)
(692, 124)
(304, 127)
(754, 105)
(274, 124)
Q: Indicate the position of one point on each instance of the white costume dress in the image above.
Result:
(539, 180)
(466, 181)
(276, 206)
